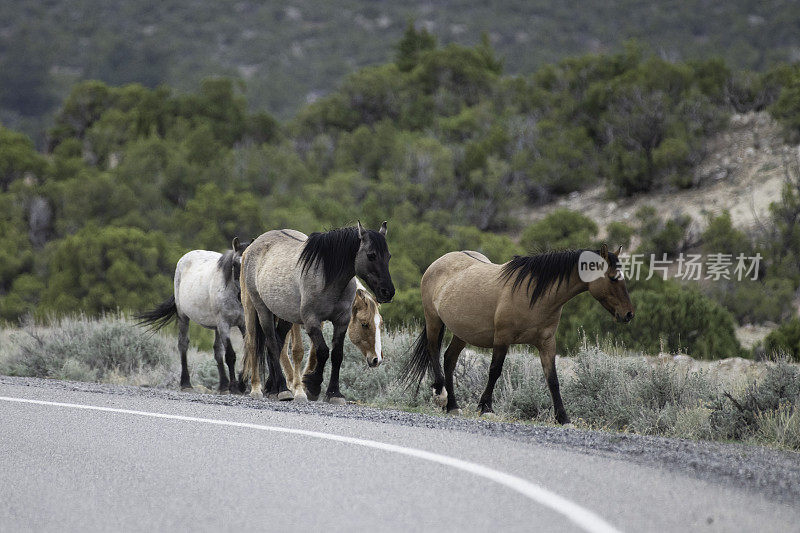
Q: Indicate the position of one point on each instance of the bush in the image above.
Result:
(85, 350)
(669, 317)
(620, 393)
(619, 234)
(785, 340)
(559, 230)
(661, 237)
(766, 409)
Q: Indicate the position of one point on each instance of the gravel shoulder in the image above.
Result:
(772, 473)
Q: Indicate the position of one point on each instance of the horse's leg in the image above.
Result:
(547, 354)
(450, 360)
(219, 356)
(311, 363)
(313, 380)
(225, 382)
(183, 347)
(297, 362)
(434, 327)
(242, 387)
(230, 360)
(251, 347)
(333, 394)
(286, 364)
(495, 368)
(275, 336)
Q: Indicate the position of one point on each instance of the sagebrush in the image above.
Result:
(602, 388)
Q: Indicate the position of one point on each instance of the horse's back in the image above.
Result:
(270, 271)
(462, 288)
(197, 278)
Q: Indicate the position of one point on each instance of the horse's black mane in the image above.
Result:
(227, 263)
(336, 250)
(544, 269)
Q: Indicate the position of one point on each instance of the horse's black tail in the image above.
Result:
(260, 350)
(421, 360)
(159, 317)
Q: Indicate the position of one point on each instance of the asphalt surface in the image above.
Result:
(64, 468)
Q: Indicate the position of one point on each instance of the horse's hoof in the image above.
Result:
(337, 400)
(313, 397)
(454, 412)
(223, 392)
(187, 388)
(300, 397)
(440, 399)
(284, 396)
(257, 394)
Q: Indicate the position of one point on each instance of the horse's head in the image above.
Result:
(609, 287)
(372, 262)
(365, 327)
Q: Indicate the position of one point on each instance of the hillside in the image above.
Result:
(743, 172)
(288, 54)
(455, 154)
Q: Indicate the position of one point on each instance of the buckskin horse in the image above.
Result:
(493, 306)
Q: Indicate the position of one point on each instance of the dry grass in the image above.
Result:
(603, 387)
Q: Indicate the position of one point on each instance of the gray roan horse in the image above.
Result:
(207, 292)
(494, 306)
(307, 280)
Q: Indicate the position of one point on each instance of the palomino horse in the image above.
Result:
(364, 332)
(493, 306)
(207, 292)
(307, 280)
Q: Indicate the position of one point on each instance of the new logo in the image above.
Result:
(591, 266)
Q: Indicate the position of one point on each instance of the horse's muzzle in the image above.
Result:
(384, 295)
(626, 318)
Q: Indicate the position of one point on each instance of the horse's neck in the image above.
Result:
(339, 285)
(569, 289)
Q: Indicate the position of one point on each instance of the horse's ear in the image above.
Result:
(382, 231)
(235, 244)
(604, 251)
(619, 250)
(360, 301)
(360, 229)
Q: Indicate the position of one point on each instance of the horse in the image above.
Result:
(364, 332)
(493, 306)
(307, 280)
(207, 292)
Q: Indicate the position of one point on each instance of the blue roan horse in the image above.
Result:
(207, 292)
(307, 280)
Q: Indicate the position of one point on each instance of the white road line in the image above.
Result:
(584, 518)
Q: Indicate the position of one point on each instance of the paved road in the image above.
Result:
(212, 463)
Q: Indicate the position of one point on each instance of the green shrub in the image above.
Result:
(787, 107)
(755, 301)
(619, 234)
(559, 230)
(669, 317)
(785, 339)
(658, 236)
